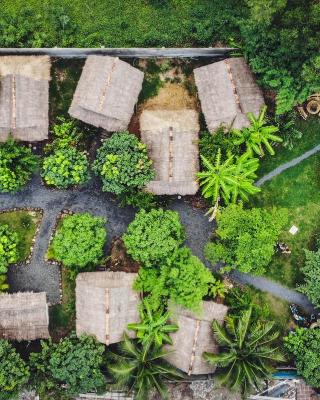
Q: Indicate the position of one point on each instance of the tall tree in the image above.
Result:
(246, 352)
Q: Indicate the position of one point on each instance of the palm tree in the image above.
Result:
(141, 367)
(229, 179)
(257, 135)
(246, 352)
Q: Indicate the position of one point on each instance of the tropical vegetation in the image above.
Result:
(8, 247)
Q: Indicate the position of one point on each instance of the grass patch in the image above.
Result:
(310, 138)
(296, 189)
(25, 224)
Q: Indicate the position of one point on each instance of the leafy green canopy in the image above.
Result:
(304, 346)
(122, 163)
(311, 272)
(17, 163)
(182, 278)
(152, 236)
(79, 241)
(8, 247)
(246, 351)
(73, 362)
(245, 238)
(14, 372)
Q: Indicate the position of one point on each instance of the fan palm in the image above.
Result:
(257, 135)
(228, 179)
(141, 367)
(246, 353)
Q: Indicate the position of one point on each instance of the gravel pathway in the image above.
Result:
(40, 275)
(287, 165)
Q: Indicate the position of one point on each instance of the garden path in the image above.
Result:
(40, 275)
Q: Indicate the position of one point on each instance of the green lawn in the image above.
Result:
(298, 190)
(311, 137)
(25, 224)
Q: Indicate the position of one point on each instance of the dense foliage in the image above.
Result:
(245, 238)
(17, 163)
(79, 241)
(122, 163)
(73, 362)
(152, 236)
(14, 372)
(304, 346)
(141, 368)
(311, 272)
(182, 278)
(247, 352)
(8, 247)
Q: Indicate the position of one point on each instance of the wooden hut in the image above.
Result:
(172, 141)
(106, 93)
(227, 92)
(24, 316)
(24, 97)
(194, 337)
(106, 304)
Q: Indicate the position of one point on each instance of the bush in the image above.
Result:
(304, 346)
(183, 279)
(79, 241)
(73, 362)
(8, 247)
(153, 236)
(65, 167)
(17, 163)
(246, 238)
(14, 372)
(65, 134)
(311, 272)
(123, 164)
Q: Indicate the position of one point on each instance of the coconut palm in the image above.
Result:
(246, 351)
(229, 179)
(257, 136)
(141, 367)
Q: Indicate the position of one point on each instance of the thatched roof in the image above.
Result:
(194, 337)
(106, 93)
(24, 316)
(171, 138)
(228, 91)
(24, 97)
(110, 395)
(105, 304)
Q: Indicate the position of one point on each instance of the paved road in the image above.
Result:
(40, 275)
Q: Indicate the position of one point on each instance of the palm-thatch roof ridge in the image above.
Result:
(171, 138)
(227, 92)
(194, 337)
(24, 97)
(106, 304)
(106, 93)
(24, 316)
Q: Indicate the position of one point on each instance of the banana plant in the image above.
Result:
(153, 326)
(257, 136)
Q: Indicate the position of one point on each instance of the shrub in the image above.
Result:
(141, 199)
(79, 241)
(65, 167)
(122, 163)
(246, 238)
(17, 163)
(14, 372)
(183, 279)
(152, 236)
(311, 272)
(304, 346)
(66, 134)
(73, 362)
(8, 247)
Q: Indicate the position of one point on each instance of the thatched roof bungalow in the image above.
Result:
(24, 97)
(24, 316)
(172, 141)
(105, 304)
(194, 337)
(106, 93)
(227, 92)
